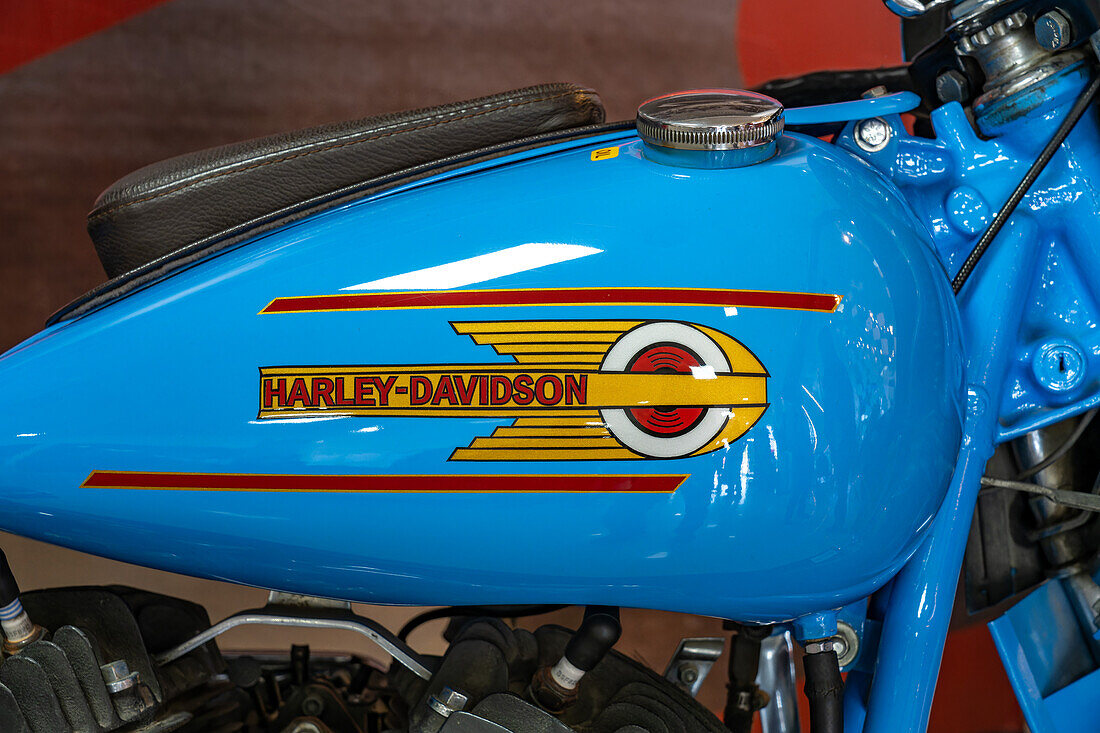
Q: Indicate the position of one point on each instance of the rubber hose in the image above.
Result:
(825, 691)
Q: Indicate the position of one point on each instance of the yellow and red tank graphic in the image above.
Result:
(577, 390)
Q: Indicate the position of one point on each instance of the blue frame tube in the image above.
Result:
(921, 600)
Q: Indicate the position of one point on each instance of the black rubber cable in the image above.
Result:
(1021, 189)
(493, 611)
(825, 691)
(9, 589)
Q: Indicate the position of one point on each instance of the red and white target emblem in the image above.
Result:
(666, 347)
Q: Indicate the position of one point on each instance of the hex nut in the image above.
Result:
(952, 86)
(447, 701)
(1053, 31)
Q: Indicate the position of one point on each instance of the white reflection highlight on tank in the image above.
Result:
(508, 261)
(745, 472)
(703, 372)
(812, 429)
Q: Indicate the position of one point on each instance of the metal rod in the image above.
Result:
(380, 636)
(1075, 499)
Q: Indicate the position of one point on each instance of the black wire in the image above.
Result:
(493, 611)
(1018, 193)
(1062, 449)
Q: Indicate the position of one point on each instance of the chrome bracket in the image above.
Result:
(692, 661)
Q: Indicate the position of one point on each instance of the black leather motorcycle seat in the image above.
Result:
(238, 190)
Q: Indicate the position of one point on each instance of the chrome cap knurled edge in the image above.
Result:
(710, 119)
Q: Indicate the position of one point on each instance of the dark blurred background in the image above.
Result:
(92, 89)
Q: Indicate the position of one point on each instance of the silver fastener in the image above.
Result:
(447, 701)
(688, 674)
(117, 676)
(872, 134)
(1053, 31)
(847, 643)
(820, 646)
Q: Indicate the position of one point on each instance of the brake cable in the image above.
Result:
(1021, 189)
(1074, 499)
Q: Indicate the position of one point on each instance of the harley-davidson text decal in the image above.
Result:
(578, 390)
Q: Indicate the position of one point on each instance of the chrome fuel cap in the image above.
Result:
(710, 128)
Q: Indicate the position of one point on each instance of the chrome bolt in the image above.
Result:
(688, 674)
(846, 643)
(872, 135)
(117, 676)
(1053, 31)
(820, 646)
(952, 86)
(447, 701)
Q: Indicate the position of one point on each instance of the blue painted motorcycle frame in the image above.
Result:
(1031, 297)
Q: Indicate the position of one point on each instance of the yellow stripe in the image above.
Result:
(471, 327)
(551, 348)
(567, 454)
(551, 432)
(579, 419)
(593, 337)
(602, 441)
(586, 361)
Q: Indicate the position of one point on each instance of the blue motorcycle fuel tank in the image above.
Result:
(575, 374)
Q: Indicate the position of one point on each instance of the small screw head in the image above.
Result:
(688, 674)
(872, 135)
(1053, 31)
(952, 86)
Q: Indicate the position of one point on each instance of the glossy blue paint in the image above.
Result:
(856, 109)
(168, 377)
(958, 179)
(820, 625)
(1048, 662)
